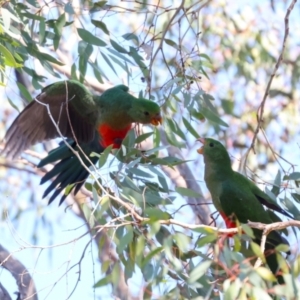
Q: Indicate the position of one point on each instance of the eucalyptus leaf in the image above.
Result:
(90, 38)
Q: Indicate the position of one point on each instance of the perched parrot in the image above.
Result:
(236, 197)
(88, 121)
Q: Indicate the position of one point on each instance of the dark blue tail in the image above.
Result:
(68, 170)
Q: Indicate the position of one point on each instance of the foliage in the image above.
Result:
(208, 65)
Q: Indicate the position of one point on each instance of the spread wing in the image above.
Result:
(68, 104)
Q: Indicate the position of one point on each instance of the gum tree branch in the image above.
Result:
(182, 176)
(3, 293)
(260, 110)
(23, 279)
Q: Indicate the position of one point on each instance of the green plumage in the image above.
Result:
(234, 195)
(89, 121)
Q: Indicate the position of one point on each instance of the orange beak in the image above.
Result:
(200, 150)
(156, 120)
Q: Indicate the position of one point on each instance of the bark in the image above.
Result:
(26, 287)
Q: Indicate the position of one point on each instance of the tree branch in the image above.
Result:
(3, 293)
(260, 110)
(19, 272)
(182, 176)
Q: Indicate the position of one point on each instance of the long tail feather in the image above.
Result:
(68, 170)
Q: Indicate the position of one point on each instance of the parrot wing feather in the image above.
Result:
(75, 115)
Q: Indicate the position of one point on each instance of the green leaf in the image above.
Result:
(257, 251)
(42, 32)
(203, 55)
(233, 290)
(139, 250)
(187, 192)
(69, 8)
(108, 62)
(123, 66)
(228, 106)
(60, 23)
(12, 104)
(100, 4)
(126, 239)
(156, 214)
(209, 115)
(148, 272)
(189, 127)
(156, 138)
(103, 282)
(97, 71)
(277, 182)
(265, 273)
(104, 155)
(143, 137)
(33, 3)
(84, 49)
(292, 176)
(130, 36)
(139, 61)
(95, 194)
(291, 207)
(259, 293)
(101, 25)
(127, 182)
(175, 128)
(73, 72)
(88, 215)
(296, 197)
(44, 56)
(172, 43)
(199, 271)
(205, 240)
(9, 60)
(282, 248)
(168, 161)
(171, 138)
(248, 230)
(90, 38)
(82, 68)
(31, 16)
(24, 92)
(198, 115)
(50, 69)
(140, 173)
(120, 55)
(58, 28)
(118, 47)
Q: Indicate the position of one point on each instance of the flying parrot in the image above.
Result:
(236, 197)
(89, 122)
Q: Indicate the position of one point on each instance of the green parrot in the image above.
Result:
(235, 196)
(88, 121)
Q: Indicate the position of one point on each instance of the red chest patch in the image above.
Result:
(229, 223)
(112, 136)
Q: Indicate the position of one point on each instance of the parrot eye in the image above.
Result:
(146, 113)
(211, 144)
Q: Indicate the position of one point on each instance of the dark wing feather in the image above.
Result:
(274, 207)
(260, 196)
(76, 118)
(238, 200)
(69, 169)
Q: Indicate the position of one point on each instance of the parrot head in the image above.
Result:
(145, 112)
(213, 150)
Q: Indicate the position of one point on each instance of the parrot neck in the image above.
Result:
(217, 171)
(110, 136)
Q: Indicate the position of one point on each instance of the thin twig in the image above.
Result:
(261, 108)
